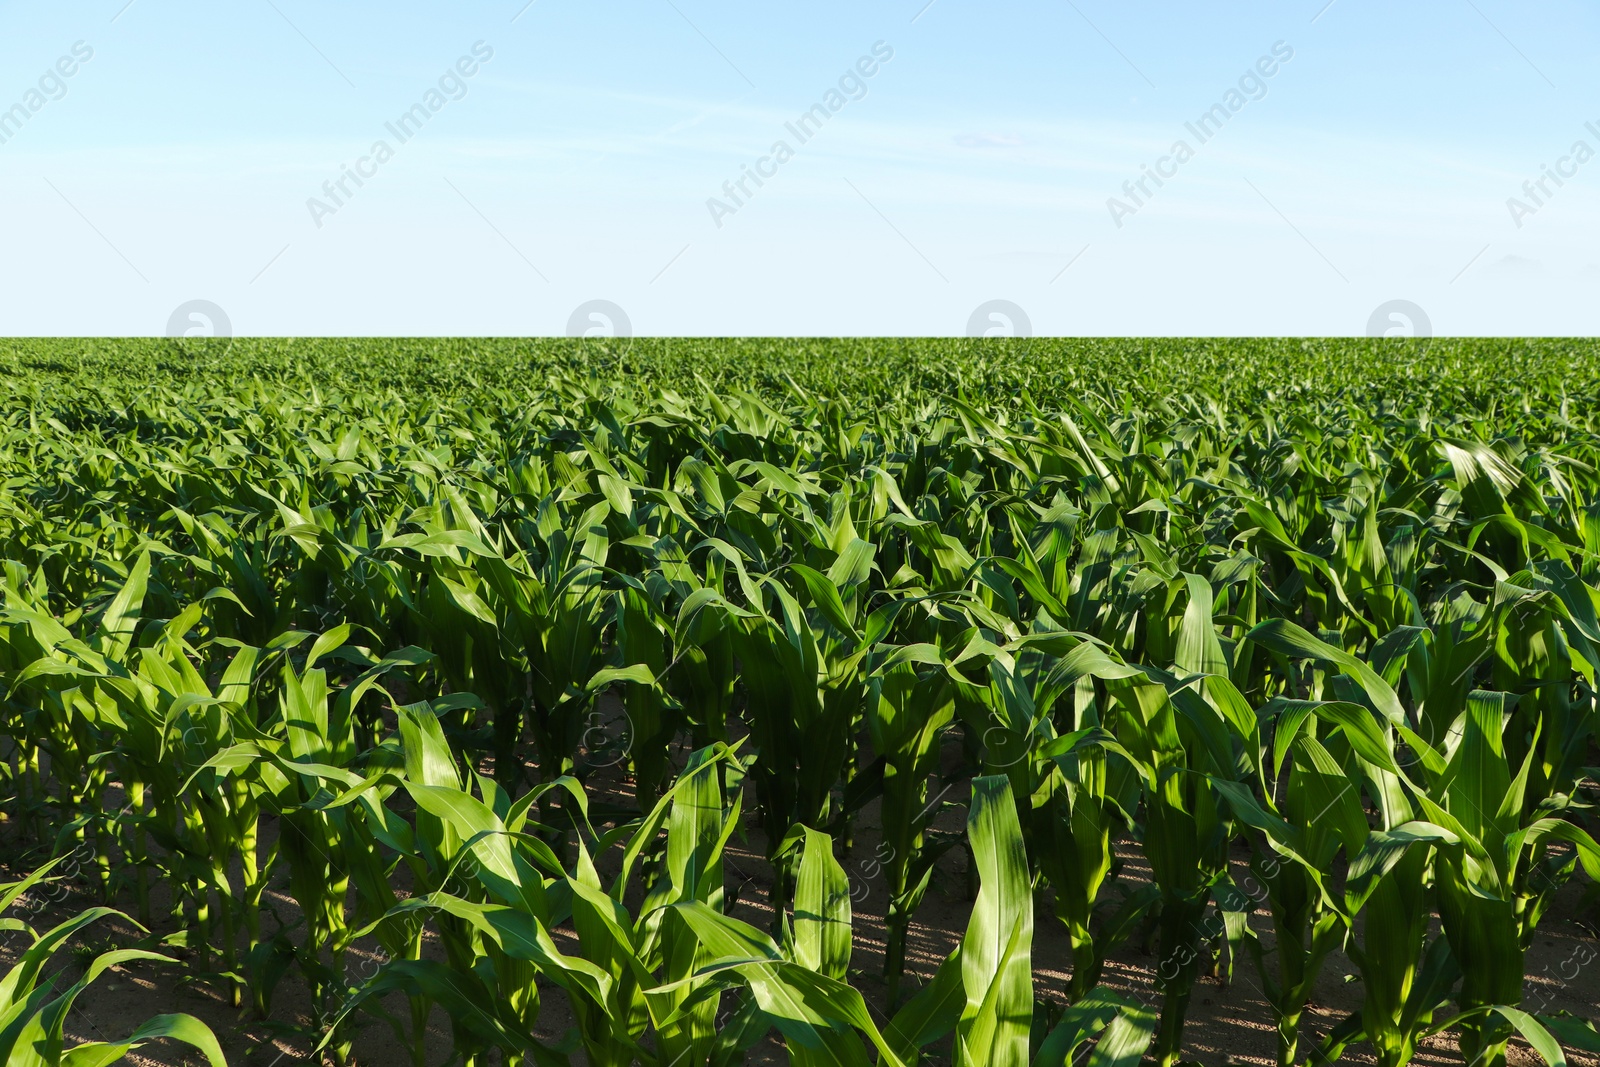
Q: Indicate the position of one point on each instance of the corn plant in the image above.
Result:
(1166, 596)
(34, 1012)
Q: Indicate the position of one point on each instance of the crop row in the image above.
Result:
(384, 653)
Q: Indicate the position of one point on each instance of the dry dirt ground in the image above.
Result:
(1229, 1021)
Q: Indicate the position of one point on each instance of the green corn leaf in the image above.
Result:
(931, 1013)
(1534, 1034)
(1080, 1022)
(1198, 650)
(1363, 733)
(1286, 638)
(996, 950)
(813, 1012)
(1126, 1038)
(176, 1027)
(822, 909)
(825, 595)
(478, 826)
(1384, 849)
(120, 623)
(429, 760)
(1572, 1032)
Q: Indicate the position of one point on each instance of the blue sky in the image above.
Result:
(975, 164)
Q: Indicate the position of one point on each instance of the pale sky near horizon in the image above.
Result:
(187, 157)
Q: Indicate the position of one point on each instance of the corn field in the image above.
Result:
(484, 656)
